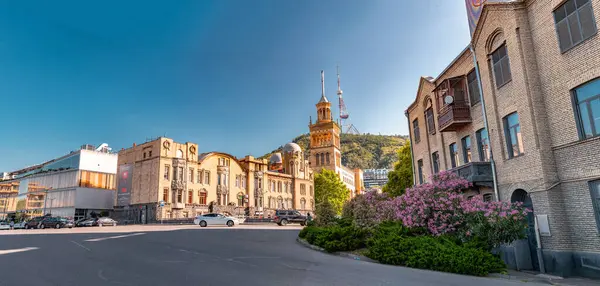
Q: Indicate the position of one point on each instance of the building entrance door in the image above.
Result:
(522, 196)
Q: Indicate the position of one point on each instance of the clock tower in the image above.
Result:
(324, 137)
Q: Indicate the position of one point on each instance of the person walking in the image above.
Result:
(308, 217)
(12, 224)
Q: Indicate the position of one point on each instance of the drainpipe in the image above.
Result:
(485, 122)
(412, 158)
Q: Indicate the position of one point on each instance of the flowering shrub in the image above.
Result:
(442, 208)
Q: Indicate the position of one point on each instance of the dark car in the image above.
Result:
(55, 222)
(34, 222)
(283, 217)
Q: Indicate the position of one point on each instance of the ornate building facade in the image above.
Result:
(325, 146)
(174, 181)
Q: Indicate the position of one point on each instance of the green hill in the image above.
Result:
(363, 151)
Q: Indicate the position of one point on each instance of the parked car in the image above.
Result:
(34, 222)
(4, 225)
(106, 221)
(87, 222)
(20, 225)
(215, 219)
(283, 217)
(55, 222)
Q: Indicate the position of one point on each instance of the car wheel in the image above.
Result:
(202, 224)
(284, 222)
(302, 223)
(57, 226)
(42, 226)
(229, 223)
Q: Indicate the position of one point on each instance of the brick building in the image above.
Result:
(539, 63)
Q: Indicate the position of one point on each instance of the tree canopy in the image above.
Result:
(402, 176)
(329, 188)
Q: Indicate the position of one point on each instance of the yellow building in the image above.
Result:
(186, 183)
(325, 146)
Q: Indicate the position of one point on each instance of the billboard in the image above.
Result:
(125, 181)
(474, 8)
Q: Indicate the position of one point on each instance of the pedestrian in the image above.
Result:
(308, 217)
(12, 224)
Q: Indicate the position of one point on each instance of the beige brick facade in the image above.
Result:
(557, 165)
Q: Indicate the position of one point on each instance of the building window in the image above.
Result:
(317, 161)
(453, 155)
(501, 66)
(199, 177)
(322, 159)
(302, 189)
(179, 154)
(512, 132)
(487, 197)
(272, 186)
(144, 155)
(167, 171)
(150, 153)
(180, 196)
(420, 171)
(202, 198)
(312, 192)
(240, 198)
(416, 133)
(483, 145)
(207, 177)
(430, 121)
(191, 174)
(435, 159)
(279, 187)
(595, 192)
(180, 173)
(574, 21)
(190, 197)
(327, 157)
(165, 197)
(237, 181)
(302, 204)
(473, 86)
(587, 108)
(466, 146)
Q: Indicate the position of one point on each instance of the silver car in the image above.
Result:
(215, 219)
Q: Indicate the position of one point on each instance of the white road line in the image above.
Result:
(8, 251)
(78, 244)
(113, 237)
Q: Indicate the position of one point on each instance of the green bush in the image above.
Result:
(325, 214)
(434, 253)
(335, 238)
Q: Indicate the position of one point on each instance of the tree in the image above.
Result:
(329, 188)
(402, 176)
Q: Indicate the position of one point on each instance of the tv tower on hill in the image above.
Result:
(344, 115)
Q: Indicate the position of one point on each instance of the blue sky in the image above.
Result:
(241, 76)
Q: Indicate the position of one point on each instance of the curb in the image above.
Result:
(342, 254)
(523, 279)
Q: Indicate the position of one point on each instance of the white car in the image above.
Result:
(20, 225)
(215, 219)
(4, 226)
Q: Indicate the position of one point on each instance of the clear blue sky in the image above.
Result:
(235, 76)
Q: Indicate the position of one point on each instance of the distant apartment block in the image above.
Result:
(375, 177)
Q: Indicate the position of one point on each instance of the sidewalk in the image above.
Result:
(545, 278)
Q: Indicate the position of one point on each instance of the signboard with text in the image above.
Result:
(125, 180)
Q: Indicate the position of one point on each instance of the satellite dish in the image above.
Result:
(448, 99)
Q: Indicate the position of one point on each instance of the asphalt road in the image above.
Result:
(193, 256)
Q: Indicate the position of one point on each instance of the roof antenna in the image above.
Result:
(322, 83)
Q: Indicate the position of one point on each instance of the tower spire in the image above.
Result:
(323, 97)
(339, 90)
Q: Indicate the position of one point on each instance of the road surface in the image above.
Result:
(189, 255)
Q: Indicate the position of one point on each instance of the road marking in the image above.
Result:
(8, 251)
(113, 237)
(78, 244)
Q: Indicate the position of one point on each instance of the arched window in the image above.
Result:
(322, 158)
(327, 156)
(179, 153)
(202, 197)
(302, 204)
(317, 161)
(240, 198)
(280, 202)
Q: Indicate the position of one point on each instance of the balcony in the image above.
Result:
(478, 173)
(177, 205)
(454, 110)
(454, 116)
